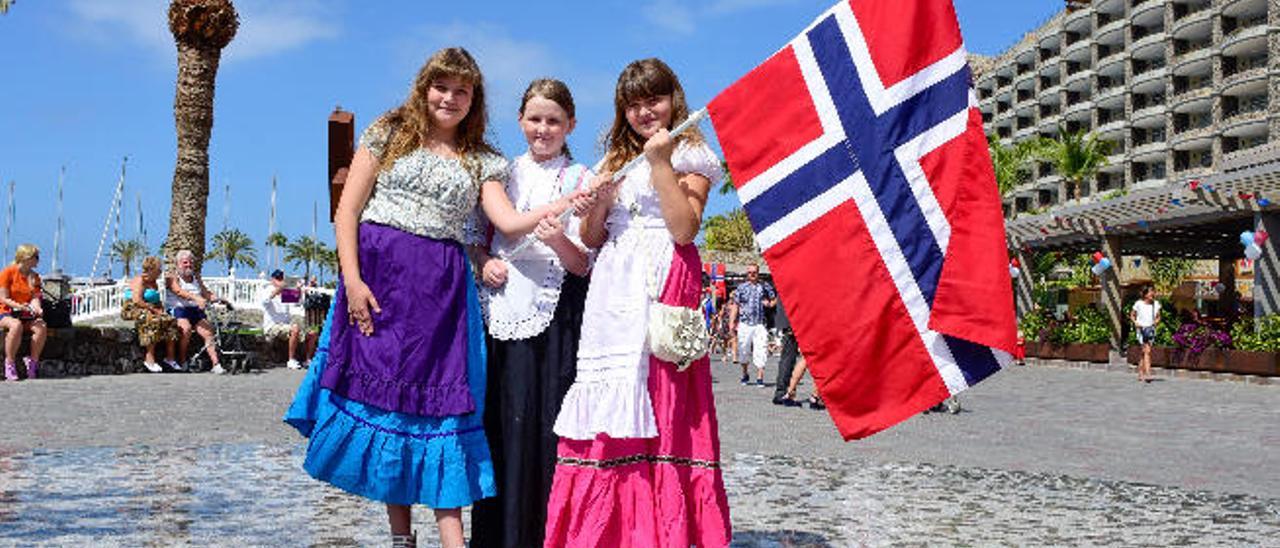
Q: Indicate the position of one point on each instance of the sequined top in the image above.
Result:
(426, 194)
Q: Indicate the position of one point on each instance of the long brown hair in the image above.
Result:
(555, 91)
(639, 80)
(410, 122)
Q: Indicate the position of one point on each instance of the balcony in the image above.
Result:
(1084, 73)
(1117, 124)
(1149, 75)
(1109, 27)
(1242, 118)
(1107, 93)
(1244, 33)
(1197, 93)
(1155, 38)
(1192, 134)
(1142, 7)
(1244, 77)
(1073, 49)
(1195, 53)
(1074, 18)
(1148, 147)
(1203, 13)
(1075, 108)
(1149, 111)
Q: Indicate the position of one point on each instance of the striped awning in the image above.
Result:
(1211, 204)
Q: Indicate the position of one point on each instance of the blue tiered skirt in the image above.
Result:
(397, 458)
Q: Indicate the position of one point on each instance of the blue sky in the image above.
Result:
(87, 82)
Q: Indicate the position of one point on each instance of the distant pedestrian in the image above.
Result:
(750, 299)
(1145, 317)
(782, 393)
(153, 324)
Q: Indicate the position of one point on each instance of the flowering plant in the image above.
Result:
(1195, 338)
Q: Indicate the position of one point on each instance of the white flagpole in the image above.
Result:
(692, 120)
(271, 222)
(57, 228)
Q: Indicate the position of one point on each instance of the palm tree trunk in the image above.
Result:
(193, 118)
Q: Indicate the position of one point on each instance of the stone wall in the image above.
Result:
(80, 351)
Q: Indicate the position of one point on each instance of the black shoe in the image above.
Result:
(815, 403)
(746, 379)
(788, 402)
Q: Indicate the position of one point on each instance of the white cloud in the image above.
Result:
(266, 27)
(509, 63)
(670, 16)
(730, 6)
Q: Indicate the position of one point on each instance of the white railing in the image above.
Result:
(103, 302)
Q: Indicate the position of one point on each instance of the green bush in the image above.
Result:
(1088, 326)
(1244, 336)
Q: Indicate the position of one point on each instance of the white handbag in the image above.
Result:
(677, 334)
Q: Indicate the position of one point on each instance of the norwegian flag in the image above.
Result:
(716, 275)
(862, 164)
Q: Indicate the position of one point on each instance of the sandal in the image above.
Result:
(815, 403)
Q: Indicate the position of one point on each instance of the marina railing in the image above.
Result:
(103, 302)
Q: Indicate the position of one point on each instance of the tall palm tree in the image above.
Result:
(1012, 163)
(201, 28)
(276, 241)
(1076, 155)
(305, 251)
(234, 247)
(328, 261)
(128, 251)
(5, 4)
(726, 186)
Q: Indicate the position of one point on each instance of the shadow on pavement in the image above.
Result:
(779, 539)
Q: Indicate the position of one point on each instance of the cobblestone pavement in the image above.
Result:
(1040, 456)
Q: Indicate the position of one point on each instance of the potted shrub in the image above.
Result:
(1200, 346)
(1053, 340)
(1088, 336)
(1255, 348)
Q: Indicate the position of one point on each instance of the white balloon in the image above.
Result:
(1098, 269)
(1252, 251)
(1014, 272)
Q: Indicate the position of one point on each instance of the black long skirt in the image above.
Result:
(528, 379)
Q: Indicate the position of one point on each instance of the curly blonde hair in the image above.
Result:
(640, 80)
(410, 123)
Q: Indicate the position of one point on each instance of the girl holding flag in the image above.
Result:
(532, 298)
(639, 450)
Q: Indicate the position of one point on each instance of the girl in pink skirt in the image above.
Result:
(639, 452)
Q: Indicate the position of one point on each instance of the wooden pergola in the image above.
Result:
(1195, 218)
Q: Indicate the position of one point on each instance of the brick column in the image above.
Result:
(1111, 294)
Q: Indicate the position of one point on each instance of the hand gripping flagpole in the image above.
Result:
(691, 121)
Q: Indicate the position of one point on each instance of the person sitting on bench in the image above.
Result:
(276, 321)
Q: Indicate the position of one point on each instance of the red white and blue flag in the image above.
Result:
(716, 276)
(862, 164)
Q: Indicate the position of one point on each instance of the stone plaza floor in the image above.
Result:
(1040, 456)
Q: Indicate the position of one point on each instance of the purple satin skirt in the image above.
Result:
(416, 360)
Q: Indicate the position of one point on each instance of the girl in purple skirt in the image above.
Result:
(393, 403)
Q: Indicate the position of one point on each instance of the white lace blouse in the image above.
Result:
(524, 306)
